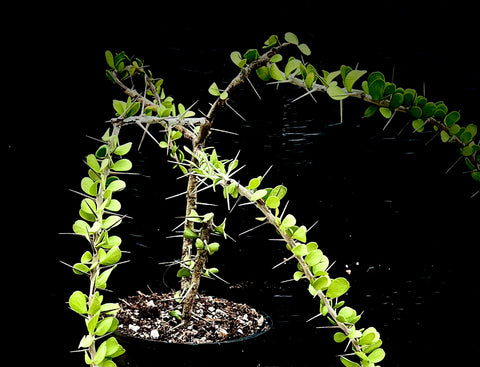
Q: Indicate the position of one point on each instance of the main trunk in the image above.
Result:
(197, 272)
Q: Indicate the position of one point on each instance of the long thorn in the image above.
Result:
(258, 95)
(238, 114)
(252, 229)
(283, 262)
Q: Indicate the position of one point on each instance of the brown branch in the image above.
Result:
(239, 79)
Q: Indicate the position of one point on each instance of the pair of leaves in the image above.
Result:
(214, 91)
(293, 39)
(126, 109)
(374, 85)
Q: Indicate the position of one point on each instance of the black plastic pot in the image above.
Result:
(240, 352)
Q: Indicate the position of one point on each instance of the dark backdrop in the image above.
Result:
(386, 209)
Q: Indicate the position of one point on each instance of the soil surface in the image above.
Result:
(213, 319)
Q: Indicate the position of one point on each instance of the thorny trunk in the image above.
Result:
(197, 272)
(187, 242)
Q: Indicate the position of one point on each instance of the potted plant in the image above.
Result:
(203, 168)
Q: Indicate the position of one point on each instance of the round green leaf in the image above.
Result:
(116, 185)
(78, 302)
(314, 257)
(275, 72)
(109, 58)
(418, 124)
(339, 337)
(263, 73)
(123, 149)
(377, 355)
(338, 287)
(452, 118)
(272, 202)
(376, 89)
(291, 38)
(396, 101)
(352, 77)
(304, 49)
(257, 195)
(288, 221)
(300, 250)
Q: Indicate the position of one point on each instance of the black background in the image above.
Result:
(381, 200)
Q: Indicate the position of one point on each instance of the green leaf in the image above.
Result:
(339, 337)
(428, 109)
(254, 183)
(418, 125)
(123, 149)
(113, 348)
(467, 151)
(263, 73)
(92, 162)
(78, 302)
(336, 93)
(396, 101)
(100, 354)
(377, 355)
(213, 90)
(409, 97)
(101, 152)
(352, 77)
(184, 273)
(297, 275)
(251, 55)
(444, 136)
(386, 112)
(122, 165)
(376, 89)
(258, 195)
(291, 38)
(279, 191)
(309, 80)
(338, 287)
(370, 111)
(321, 283)
(300, 234)
(348, 363)
(221, 229)
(275, 72)
(300, 250)
(272, 202)
(109, 58)
(452, 118)
(415, 112)
(276, 58)
(111, 221)
(119, 107)
(111, 257)
(288, 222)
(116, 185)
(101, 281)
(113, 205)
(88, 206)
(213, 247)
(106, 325)
(292, 65)
(237, 59)
(271, 41)
(304, 49)
(189, 233)
(80, 227)
(314, 257)
(223, 95)
(369, 336)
